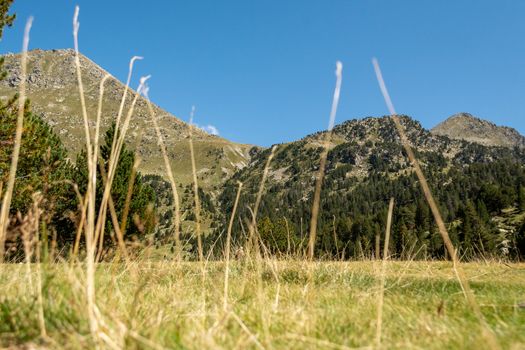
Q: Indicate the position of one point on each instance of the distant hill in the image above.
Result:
(53, 91)
(479, 185)
(366, 166)
(465, 126)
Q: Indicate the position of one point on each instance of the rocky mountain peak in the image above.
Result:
(465, 126)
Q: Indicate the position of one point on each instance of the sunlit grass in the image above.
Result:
(159, 303)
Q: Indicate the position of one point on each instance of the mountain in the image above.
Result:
(465, 126)
(367, 165)
(479, 185)
(53, 91)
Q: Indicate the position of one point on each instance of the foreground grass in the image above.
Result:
(277, 304)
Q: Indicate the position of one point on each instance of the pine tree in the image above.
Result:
(141, 219)
(5, 18)
(476, 236)
(43, 168)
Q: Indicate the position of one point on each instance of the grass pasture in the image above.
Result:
(271, 305)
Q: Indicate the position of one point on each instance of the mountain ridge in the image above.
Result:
(366, 166)
(53, 92)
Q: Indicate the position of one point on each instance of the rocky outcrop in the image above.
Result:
(465, 126)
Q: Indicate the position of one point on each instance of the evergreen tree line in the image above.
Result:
(47, 177)
(474, 199)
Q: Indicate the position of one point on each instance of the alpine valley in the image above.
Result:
(475, 169)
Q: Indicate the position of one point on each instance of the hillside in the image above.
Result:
(52, 89)
(475, 168)
(366, 166)
(465, 126)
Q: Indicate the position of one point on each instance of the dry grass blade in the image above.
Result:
(112, 166)
(169, 173)
(99, 115)
(123, 101)
(383, 267)
(252, 336)
(253, 225)
(195, 189)
(335, 238)
(197, 214)
(6, 202)
(116, 146)
(90, 195)
(114, 220)
(435, 211)
(227, 247)
(81, 226)
(322, 164)
(28, 252)
(37, 198)
(261, 186)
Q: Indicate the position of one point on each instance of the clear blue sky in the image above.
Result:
(262, 71)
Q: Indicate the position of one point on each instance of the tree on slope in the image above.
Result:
(141, 217)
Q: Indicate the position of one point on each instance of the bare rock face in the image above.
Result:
(464, 126)
(54, 94)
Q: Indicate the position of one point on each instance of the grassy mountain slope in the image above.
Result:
(366, 166)
(53, 91)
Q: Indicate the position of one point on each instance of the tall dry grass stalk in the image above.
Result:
(112, 166)
(197, 203)
(228, 247)
(383, 268)
(123, 101)
(97, 326)
(90, 195)
(335, 238)
(81, 226)
(195, 189)
(97, 125)
(114, 219)
(169, 172)
(6, 202)
(253, 240)
(469, 295)
(37, 197)
(322, 164)
(113, 160)
(261, 186)
(28, 252)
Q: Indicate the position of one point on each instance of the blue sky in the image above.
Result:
(262, 72)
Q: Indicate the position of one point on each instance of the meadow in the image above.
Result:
(271, 304)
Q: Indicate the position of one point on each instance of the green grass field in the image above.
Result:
(272, 305)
